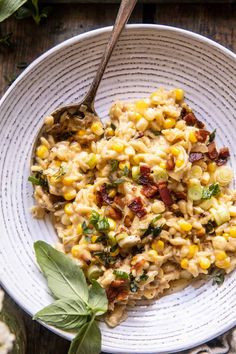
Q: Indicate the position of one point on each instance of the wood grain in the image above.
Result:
(216, 21)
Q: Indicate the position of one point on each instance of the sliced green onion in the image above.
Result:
(195, 192)
(120, 274)
(207, 204)
(221, 214)
(135, 172)
(160, 174)
(223, 175)
(94, 272)
(196, 172)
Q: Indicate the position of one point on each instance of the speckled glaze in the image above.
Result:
(146, 57)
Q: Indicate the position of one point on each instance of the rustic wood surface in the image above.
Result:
(216, 21)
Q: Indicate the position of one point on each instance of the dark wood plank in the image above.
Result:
(64, 22)
(216, 21)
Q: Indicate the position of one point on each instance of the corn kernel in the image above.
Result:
(124, 164)
(42, 152)
(179, 94)
(226, 236)
(205, 178)
(110, 132)
(232, 231)
(179, 163)
(224, 263)
(152, 256)
(158, 245)
(81, 133)
(149, 114)
(204, 263)
(68, 209)
(76, 251)
(192, 137)
(136, 159)
(71, 194)
(174, 150)
(185, 226)
(97, 128)
(112, 224)
(169, 123)
(94, 238)
(118, 147)
(192, 251)
(184, 263)
(163, 165)
(141, 106)
(112, 193)
(142, 124)
(220, 255)
(211, 167)
(155, 98)
(158, 207)
(135, 116)
(79, 229)
(68, 180)
(92, 161)
(232, 210)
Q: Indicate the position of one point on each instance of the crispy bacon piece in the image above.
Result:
(104, 194)
(202, 135)
(190, 119)
(165, 193)
(136, 206)
(145, 178)
(119, 201)
(149, 190)
(180, 195)
(99, 199)
(117, 290)
(212, 152)
(170, 163)
(195, 156)
(114, 213)
(223, 156)
(127, 221)
(145, 170)
(200, 124)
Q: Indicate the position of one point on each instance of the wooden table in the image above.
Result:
(214, 20)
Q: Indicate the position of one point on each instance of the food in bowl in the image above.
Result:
(141, 202)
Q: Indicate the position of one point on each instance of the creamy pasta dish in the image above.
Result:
(141, 201)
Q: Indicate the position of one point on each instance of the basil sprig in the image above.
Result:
(76, 305)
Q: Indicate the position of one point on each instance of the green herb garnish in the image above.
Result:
(212, 190)
(105, 258)
(114, 165)
(113, 126)
(38, 180)
(156, 132)
(86, 229)
(209, 227)
(143, 277)
(120, 274)
(32, 9)
(155, 231)
(217, 275)
(125, 171)
(60, 172)
(100, 223)
(212, 136)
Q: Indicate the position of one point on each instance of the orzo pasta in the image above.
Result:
(141, 202)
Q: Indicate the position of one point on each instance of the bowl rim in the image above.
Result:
(71, 41)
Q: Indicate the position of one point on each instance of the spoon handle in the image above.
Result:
(125, 10)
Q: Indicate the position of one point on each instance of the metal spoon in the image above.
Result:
(79, 116)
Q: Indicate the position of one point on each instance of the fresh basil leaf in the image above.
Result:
(86, 229)
(100, 223)
(120, 274)
(67, 314)
(117, 182)
(212, 190)
(88, 340)
(64, 276)
(125, 171)
(38, 181)
(98, 299)
(143, 277)
(114, 165)
(8, 7)
(217, 275)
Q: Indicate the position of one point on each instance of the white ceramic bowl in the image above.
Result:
(146, 57)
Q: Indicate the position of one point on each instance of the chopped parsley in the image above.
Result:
(105, 258)
(125, 171)
(86, 229)
(211, 191)
(152, 229)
